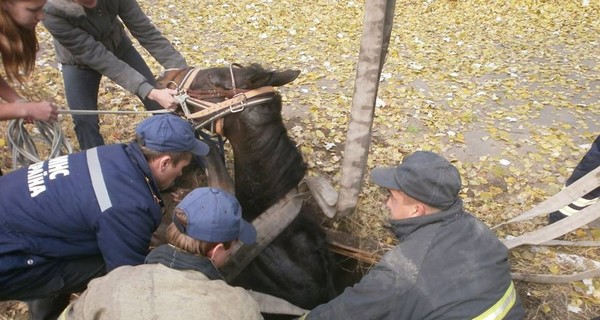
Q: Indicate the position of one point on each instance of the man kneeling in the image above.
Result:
(180, 279)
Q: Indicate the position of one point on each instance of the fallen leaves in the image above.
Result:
(507, 90)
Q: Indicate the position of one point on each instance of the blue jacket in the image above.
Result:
(102, 201)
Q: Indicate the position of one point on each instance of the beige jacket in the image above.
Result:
(154, 291)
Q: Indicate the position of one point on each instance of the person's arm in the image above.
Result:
(123, 236)
(19, 108)
(83, 47)
(140, 26)
(381, 294)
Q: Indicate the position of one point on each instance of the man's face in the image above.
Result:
(167, 172)
(401, 206)
(26, 13)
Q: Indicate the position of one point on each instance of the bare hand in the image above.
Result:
(42, 111)
(164, 97)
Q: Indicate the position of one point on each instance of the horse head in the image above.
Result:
(254, 128)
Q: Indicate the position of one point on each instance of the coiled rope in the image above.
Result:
(23, 146)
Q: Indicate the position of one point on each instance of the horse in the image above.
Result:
(297, 265)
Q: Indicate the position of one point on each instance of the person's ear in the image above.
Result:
(215, 251)
(164, 162)
(419, 210)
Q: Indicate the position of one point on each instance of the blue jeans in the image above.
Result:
(81, 88)
(47, 288)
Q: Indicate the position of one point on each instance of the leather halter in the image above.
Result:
(236, 100)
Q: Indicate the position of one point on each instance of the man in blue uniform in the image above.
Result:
(70, 219)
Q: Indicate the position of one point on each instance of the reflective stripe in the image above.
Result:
(501, 308)
(583, 202)
(98, 179)
(577, 206)
(568, 211)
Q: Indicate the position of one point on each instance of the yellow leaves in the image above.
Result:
(545, 308)
(554, 269)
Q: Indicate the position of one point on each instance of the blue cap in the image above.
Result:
(424, 176)
(170, 133)
(214, 215)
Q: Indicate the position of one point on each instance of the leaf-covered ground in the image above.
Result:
(507, 90)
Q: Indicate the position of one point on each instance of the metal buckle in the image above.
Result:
(181, 99)
(241, 106)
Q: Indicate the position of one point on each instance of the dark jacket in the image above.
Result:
(177, 259)
(449, 265)
(99, 202)
(96, 38)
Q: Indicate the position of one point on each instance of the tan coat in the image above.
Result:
(154, 291)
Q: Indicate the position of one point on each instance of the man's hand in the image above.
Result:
(164, 97)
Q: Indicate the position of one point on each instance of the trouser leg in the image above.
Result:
(81, 89)
(47, 288)
(135, 60)
(589, 162)
(48, 308)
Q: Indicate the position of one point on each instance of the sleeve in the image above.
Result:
(149, 36)
(123, 236)
(376, 296)
(85, 49)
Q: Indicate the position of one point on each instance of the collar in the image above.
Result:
(137, 157)
(65, 8)
(178, 259)
(405, 227)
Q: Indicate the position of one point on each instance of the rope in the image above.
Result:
(92, 112)
(23, 149)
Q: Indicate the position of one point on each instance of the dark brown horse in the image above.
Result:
(297, 265)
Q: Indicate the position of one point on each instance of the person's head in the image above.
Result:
(18, 41)
(208, 222)
(168, 142)
(422, 184)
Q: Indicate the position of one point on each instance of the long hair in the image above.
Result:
(185, 242)
(17, 47)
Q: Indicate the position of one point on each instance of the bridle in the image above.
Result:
(235, 100)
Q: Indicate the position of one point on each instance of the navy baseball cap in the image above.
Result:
(170, 133)
(214, 215)
(424, 176)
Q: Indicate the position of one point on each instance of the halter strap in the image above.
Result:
(235, 104)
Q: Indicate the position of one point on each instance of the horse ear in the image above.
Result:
(164, 78)
(283, 77)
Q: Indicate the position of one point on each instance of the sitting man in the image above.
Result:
(180, 279)
(449, 265)
(70, 219)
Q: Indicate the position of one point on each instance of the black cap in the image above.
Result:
(424, 176)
